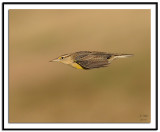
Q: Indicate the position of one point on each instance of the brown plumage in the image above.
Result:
(89, 59)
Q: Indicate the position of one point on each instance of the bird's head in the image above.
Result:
(66, 59)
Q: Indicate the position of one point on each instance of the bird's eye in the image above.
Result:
(62, 57)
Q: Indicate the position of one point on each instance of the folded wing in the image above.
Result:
(92, 60)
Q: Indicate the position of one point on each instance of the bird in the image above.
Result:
(87, 60)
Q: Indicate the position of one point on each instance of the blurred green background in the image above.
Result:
(40, 91)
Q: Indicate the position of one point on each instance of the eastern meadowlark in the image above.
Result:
(89, 59)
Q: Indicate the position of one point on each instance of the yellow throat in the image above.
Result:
(71, 62)
(75, 65)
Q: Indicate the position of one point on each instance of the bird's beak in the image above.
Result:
(54, 60)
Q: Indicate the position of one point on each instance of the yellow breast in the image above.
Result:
(75, 65)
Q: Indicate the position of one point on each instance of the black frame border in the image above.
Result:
(156, 53)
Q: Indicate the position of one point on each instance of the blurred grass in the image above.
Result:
(40, 91)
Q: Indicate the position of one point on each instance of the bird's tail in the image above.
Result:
(115, 56)
(123, 55)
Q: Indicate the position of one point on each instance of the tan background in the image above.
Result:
(40, 91)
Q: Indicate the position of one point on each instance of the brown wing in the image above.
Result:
(92, 64)
(93, 60)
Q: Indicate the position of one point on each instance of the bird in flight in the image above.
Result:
(89, 59)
